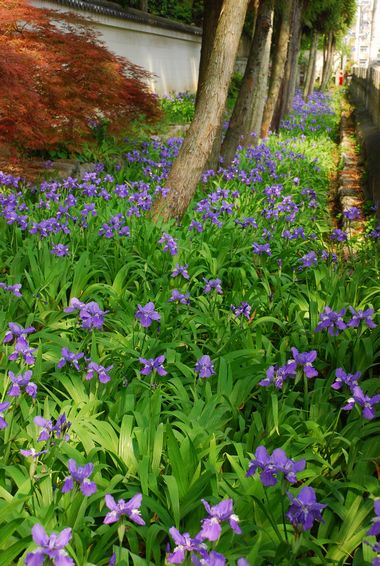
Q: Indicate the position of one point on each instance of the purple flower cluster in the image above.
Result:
(51, 547)
(79, 475)
(3, 407)
(304, 509)
(14, 289)
(146, 315)
(22, 381)
(211, 284)
(22, 348)
(366, 403)
(130, 508)
(95, 369)
(334, 323)
(211, 529)
(279, 374)
(90, 314)
(204, 367)
(177, 297)
(153, 365)
(271, 466)
(170, 244)
(180, 270)
(244, 309)
(260, 249)
(52, 430)
(60, 250)
(374, 530)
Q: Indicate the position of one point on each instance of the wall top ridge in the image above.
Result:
(110, 9)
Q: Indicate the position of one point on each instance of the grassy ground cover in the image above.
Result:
(203, 393)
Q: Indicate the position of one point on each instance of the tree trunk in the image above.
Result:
(290, 76)
(328, 60)
(278, 65)
(310, 73)
(254, 82)
(188, 166)
(143, 5)
(211, 13)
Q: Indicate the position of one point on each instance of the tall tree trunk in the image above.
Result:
(328, 60)
(211, 13)
(256, 74)
(290, 75)
(278, 65)
(188, 166)
(143, 5)
(310, 73)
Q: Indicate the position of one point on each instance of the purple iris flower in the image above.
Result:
(153, 365)
(208, 559)
(278, 375)
(197, 226)
(130, 508)
(146, 315)
(211, 526)
(331, 320)
(184, 544)
(180, 270)
(350, 379)
(243, 309)
(170, 244)
(92, 316)
(3, 407)
(80, 475)
(33, 453)
(277, 463)
(22, 380)
(71, 358)
(366, 403)
(24, 351)
(49, 430)
(304, 509)
(14, 289)
(16, 331)
(305, 359)
(178, 297)
(308, 260)
(338, 235)
(212, 284)
(60, 250)
(75, 304)
(361, 316)
(375, 529)
(352, 213)
(96, 369)
(260, 249)
(51, 547)
(204, 367)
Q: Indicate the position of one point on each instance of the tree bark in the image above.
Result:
(211, 13)
(254, 82)
(310, 72)
(196, 147)
(290, 76)
(278, 65)
(328, 60)
(143, 5)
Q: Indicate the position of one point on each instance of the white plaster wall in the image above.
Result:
(173, 56)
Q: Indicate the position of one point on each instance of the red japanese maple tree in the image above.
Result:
(56, 77)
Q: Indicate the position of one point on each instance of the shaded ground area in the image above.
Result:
(369, 136)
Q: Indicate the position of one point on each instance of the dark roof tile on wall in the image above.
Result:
(110, 9)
